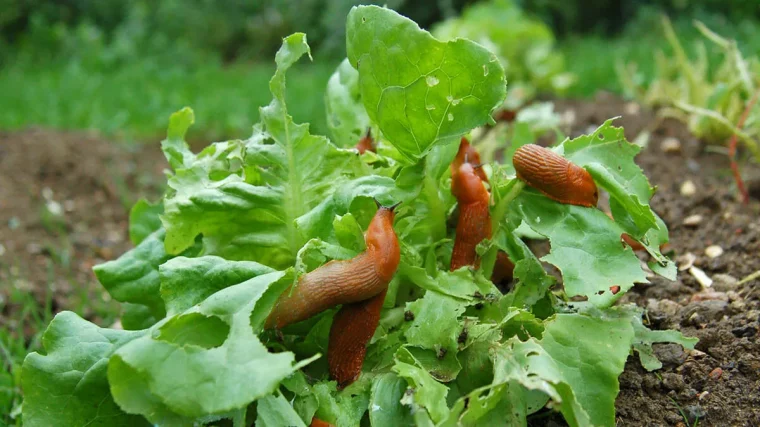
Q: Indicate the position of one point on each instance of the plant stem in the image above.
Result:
(437, 210)
(500, 211)
(732, 149)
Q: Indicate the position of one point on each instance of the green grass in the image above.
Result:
(135, 102)
(593, 58)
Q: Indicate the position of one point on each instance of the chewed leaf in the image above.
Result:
(81, 396)
(420, 90)
(609, 157)
(585, 246)
(645, 337)
(167, 372)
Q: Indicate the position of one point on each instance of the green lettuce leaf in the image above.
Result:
(67, 385)
(346, 117)
(144, 219)
(245, 196)
(585, 246)
(417, 89)
(207, 360)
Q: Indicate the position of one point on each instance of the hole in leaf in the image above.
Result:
(601, 136)
(195, 329)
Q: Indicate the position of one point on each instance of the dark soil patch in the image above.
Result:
(64, 202)
(719, 384)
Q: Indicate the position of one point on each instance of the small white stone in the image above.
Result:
(686, 261)
(692, 220)
(54, 207)
(688, 188)
(701, 277)
(47, 193)
(713, 251)
(670, 145)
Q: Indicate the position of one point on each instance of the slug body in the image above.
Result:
(556, 177)
(467, 154)
(343, 282)
(474, 223)
(316, 422)
(352, 328)
(366, 143)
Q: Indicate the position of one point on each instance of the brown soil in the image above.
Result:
(64, 201)
(95, 182)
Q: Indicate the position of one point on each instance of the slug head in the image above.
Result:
(467, 186)
(467, 154)
(382, 243)
(584, 187)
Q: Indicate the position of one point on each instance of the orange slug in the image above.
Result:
(467, 154)
(343, 282)
(633, 243)
(366, 143)
(555, 176)
(352, 328)
(316, 422)
(506, 116)
(474, 223)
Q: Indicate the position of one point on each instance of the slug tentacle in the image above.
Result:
(343, 282)
(555, 176)
(467, 154)
(352, 328)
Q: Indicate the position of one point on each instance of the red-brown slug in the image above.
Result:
(555, 176)
(316, 422)
(343, 282)
(366, 143)
(467, 154)
(352, 328)
(474, 223)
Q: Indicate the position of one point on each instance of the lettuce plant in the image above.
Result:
(523, 44)
(242, 219)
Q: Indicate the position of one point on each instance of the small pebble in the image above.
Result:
(692, 220)
(725, 282)
(716, 373)
(47, 193)
(688, 188)
(702, 395)
(632, 108)
(700, 276)
(686, 261)
(709, 295)
(713, 251)
(670, 145)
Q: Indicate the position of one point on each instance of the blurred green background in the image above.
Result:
(122, 66)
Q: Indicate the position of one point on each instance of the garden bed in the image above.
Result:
(93, 182)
